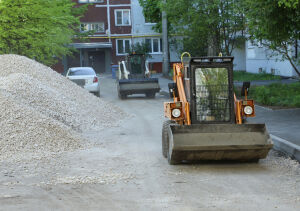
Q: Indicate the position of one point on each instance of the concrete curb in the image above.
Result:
(286, 147)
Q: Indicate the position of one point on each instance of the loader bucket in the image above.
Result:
(247, 142)
(139, 86)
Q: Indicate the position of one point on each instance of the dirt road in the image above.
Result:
(123, 169)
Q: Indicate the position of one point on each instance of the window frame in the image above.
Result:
(89, 25)
(124, 47)
(116, 17)
(149, 23)
(250, 44)
(160, 51)
(88, 1)
(254, 43)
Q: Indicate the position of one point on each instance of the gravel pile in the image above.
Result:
(40, 110)
(283, 163)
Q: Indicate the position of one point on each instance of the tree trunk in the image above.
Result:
(293, 65)
(290, 59)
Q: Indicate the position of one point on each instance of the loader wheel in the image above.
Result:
(150, 94)
(122, 96)
(165, 137)
(173, 162)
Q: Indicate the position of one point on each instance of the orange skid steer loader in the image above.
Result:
(206, 120)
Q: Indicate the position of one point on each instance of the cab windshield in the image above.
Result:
(136, 63)
(212, 94)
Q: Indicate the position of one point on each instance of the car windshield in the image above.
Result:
(86, 71)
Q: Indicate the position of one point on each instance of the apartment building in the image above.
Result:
(259, 59)
(142, 32)
(118, 24)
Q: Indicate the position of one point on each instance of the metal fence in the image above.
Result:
(212, 103)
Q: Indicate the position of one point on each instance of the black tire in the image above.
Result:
(150, 94)
(165, 137)
(121, 95)
(245, 121)
(97, 93)
(173, 162)
(165, 142)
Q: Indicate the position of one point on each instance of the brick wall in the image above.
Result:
(120, 1)
(58, 67)
(118, 29)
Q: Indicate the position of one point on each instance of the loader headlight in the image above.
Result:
(176, 112)
(248, 110)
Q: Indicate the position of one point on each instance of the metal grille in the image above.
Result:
(212, 103)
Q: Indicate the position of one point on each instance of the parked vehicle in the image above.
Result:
(85, 77)
(134, 77)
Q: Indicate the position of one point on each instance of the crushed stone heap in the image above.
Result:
(40, 110)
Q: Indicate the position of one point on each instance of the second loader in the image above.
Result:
(134, 77)
(206, 120)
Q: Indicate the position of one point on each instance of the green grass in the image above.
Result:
(244, 76)
(286, 95)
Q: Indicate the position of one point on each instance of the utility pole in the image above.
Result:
(165, 43)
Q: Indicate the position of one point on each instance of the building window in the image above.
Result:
(123, 46)
(97, 27)
(154, 45)
(251, 44)
(90, 1)
(122, 18)
(254, 43)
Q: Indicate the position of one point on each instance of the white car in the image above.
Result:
(86, 78)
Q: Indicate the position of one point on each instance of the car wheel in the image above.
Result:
(150, 95)
(97, 93)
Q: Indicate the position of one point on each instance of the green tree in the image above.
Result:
(207, 26)
(140, 48)
(38, 29)
(152, 12)
(276, 24)
(288, 3)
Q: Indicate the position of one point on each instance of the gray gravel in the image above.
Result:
(126, 171)
(42, 111)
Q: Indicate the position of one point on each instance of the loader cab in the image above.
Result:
(211, 90)
(136, 65)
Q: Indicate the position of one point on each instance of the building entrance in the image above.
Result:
(97, 61)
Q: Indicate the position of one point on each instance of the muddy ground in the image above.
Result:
(123, 169)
